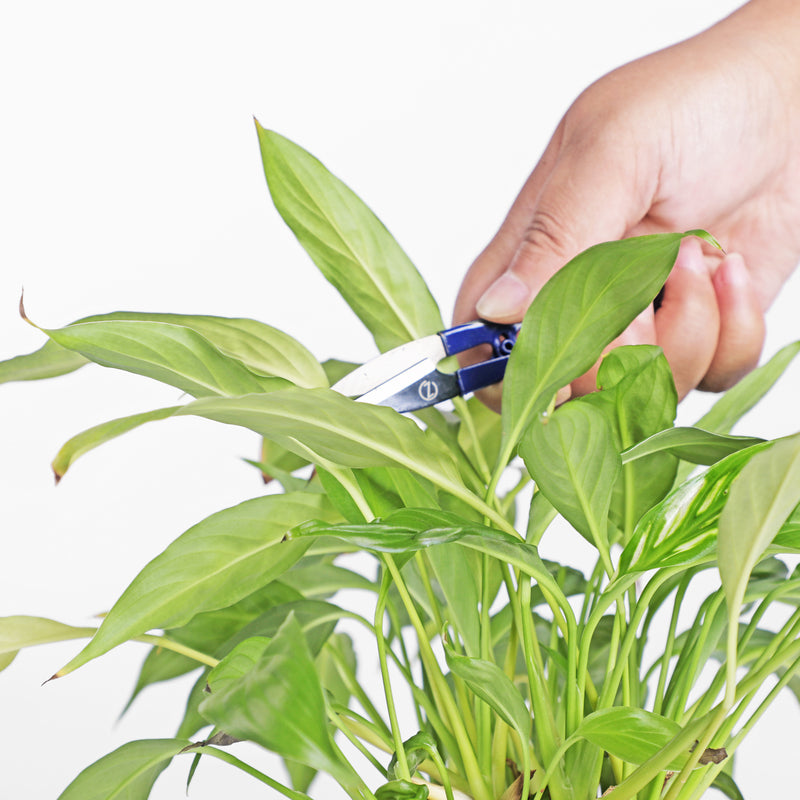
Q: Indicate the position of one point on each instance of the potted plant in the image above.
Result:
(502, 675)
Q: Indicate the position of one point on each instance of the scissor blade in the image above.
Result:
(428, 350)
(419, 386)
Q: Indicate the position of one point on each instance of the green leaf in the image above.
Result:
(682, 528)
(690, 444)
(93, 437)
(582, 308)
(214, 632)
(762, 497)
(348, 243)
(726, 784)
(458, 573)
(49, 361)
(494, 687)
(126, 773)
(324, 580)
(261, 348)
(482, 435)
(19, 632)
(747, 392)
(402, 790)
(631, 734)
(638, 398)
(413, 529)
(571, 456)
(237, 663)
(277, 702)
(417, 748)
(217, 562)
(169, 353)
(345, 433)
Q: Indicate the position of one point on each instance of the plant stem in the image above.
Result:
(473, 774)
(745, 729)
(463, 411)
(229, 758)
(177, 647)
(339, 724)
(402, 763)
(355, 688)
(670, 644)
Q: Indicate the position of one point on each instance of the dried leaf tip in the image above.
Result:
(22, 310)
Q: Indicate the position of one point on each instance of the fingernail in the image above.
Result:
(733, 271)
(690, 257)
(508, 296)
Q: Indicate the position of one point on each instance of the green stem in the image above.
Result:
(177, 647)
(395, 621)
(670, 644)
(676, 705)
(445, 700)
(355, 689)
(341, 725)
(543, 718)
(463, 411)
(402, 763)
(746, 728)
(511, 495)
(484, 719)
(228, 758)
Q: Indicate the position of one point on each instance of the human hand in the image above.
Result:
(703, 134)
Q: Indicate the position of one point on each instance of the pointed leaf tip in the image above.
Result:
(22, 309)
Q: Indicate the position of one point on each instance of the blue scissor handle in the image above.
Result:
(464, 337)
(502, 339)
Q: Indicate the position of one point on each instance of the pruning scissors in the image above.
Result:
(406, 378)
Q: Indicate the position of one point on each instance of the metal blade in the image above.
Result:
(419, 386)
(428, 350)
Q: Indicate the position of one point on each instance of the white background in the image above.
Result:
(130, 179)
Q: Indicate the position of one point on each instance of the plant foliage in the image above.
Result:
(502, 675)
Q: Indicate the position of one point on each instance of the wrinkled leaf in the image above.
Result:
(348, 243)
(215, 563)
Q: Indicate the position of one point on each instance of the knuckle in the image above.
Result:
(546, 232)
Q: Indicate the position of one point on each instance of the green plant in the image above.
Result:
(526, 678)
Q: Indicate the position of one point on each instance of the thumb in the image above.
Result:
(592, 194)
